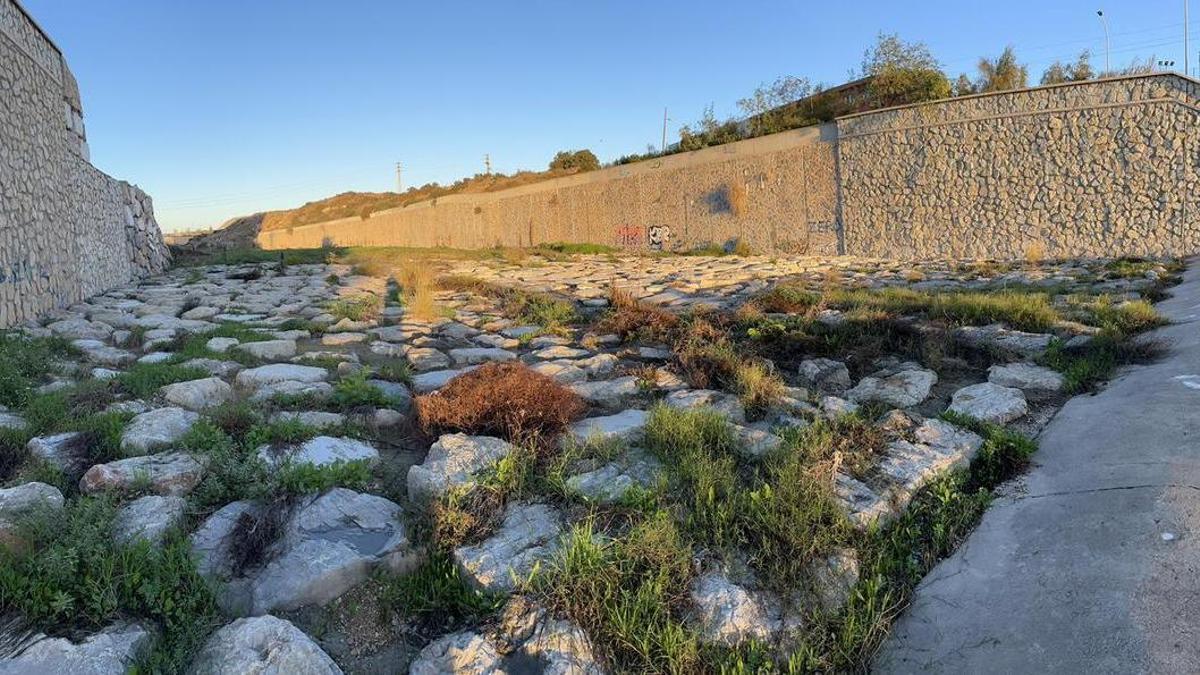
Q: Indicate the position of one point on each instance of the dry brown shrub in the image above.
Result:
(632, 319)
(418, 289)
(501, 399)
(1035, 253)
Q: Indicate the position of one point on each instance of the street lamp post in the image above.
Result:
(1104, 22)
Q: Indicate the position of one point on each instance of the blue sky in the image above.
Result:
(222, 108)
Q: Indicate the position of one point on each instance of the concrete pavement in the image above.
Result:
(1090, 562)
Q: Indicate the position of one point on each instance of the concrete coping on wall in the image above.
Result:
(33, 22)
(1009, 92)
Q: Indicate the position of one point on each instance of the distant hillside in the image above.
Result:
(363, 204)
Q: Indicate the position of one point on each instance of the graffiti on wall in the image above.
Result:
(659, 237)
(629, 236)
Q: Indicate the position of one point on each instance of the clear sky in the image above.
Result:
(220, 108)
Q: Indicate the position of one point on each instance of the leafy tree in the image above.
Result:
(963, 86)
(708, 131)
(1002, 74)
(579, 160)
(1079, 71)
(903, 72)
(768, 109)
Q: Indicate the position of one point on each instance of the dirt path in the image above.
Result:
(1090, 563)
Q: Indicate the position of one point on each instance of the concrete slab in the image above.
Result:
(1090, 562)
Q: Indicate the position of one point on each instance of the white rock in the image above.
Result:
(22, 500)
(609, 393)
(529, 536)
(902, 390)
(825, 374)
(463, 652)
(170, 473)
(728, 614)
(452, 462)
(478, 355)
(424, 383)
(269, 350)
(1026, 376)
(626, 426)
(990, 402)
(727, 405)
(198, 395)
(254, 378)
(321, 451)
(149, 518)
(220, 345)
(263, 645)
(156, 429)
(112, 651)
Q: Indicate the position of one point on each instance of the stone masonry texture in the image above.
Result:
(1089, 169)
(67, 230)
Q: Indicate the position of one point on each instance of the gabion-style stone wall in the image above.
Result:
(67, 230)
(1092, 169)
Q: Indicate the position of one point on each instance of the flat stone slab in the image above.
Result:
(998, 337)
(197, 395)
(728, 614)
(469, 356)
(269, 350)
(625, 426)
(610, 483)
(1029, 377)
(148, 518)
(609, 393)
(727, 405)
(320, 451)
(254, 378)
(171, 473)
(424, 383)
(156, 429)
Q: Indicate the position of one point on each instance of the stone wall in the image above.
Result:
(67, 230)
(775, 193)
(1091, 169)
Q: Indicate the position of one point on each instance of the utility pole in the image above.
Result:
(487, 162)
(399, 182)
(664, 136)
(1185, 37)
(1107, 62)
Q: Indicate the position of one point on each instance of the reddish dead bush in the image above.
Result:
(636, 320)
(500, 399)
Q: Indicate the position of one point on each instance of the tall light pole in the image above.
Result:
(663, 148)
(1104, 22)
(1185, 37)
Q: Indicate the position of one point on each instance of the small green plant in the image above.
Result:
(143, 380)
(355, 392)
(435, 595)
(357, 308)
(25, 363)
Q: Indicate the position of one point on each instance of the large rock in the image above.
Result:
(81, 329)
(990, 402)
(997, 337)
(423, 383)
(728, 614)
(275, 373)
(198, 395)
(825, 374)
(62, 451)
(148, 518)
(607, 393)
(426, 358)
(103, 354)
(156, 429)
(321, 451)
(727, 405)
(170, 473)
(20, 501)
(611, 482)
(1031, 378)
(528, 536)
(327, 545)
(12, 421)
(470, 356)
(269, 350)
(262, 645)
(452, 462)
(112, 651)
(902, 390)
(463, 652)
(627, 426)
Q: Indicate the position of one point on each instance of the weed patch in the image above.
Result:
(435, 596)
(24, 364)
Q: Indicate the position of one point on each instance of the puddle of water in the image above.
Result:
(367, 542)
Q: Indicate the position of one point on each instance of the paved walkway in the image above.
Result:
(1093, 563)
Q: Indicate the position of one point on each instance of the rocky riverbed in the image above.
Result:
(337, 361)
